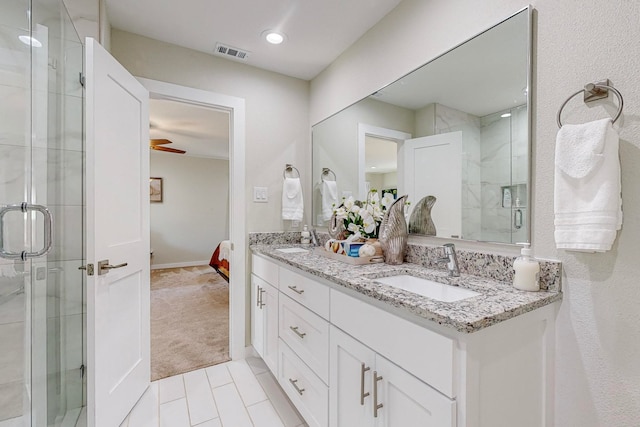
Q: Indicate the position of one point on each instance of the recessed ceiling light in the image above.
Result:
(273, 37)
(373, 167)
(505, 115)
(30, 41)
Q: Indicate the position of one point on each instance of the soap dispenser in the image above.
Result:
(526, 269)
(305, 235)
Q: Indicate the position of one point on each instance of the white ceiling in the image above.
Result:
(318, 31)
(200, 131)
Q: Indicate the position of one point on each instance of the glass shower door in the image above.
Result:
(41, 164)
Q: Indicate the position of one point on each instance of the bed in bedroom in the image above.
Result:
(220, 259)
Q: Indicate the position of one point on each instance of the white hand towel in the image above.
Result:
(225, 250)
(587, 199)
(329, 192)
(292, 203)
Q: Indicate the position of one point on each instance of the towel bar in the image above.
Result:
(593, 92)
(290, 168)
(326, 172)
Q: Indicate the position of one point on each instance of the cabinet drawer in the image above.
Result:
(308, 292)
(264, 269)
(307, 334)
(307, 392)
(420, 351)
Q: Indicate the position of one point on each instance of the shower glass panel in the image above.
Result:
(505, 173)
(42, 313)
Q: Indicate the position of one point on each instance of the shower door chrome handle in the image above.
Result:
(48, 227)
(517, 219)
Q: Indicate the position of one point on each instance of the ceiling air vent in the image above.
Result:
(233, 52)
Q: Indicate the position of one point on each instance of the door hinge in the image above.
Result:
(81, 79)
(82, 371)
(88, 267)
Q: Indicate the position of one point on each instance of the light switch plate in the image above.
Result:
(260, 194)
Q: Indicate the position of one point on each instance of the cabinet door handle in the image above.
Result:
(376, 405)
(297, 332)
(293, 383)
(261, 293)
(296, 290)
(258, 296)
(363, 369)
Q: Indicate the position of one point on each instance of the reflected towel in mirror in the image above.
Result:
(329, 190)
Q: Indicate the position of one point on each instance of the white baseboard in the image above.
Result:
(180, 264)
(249, 351)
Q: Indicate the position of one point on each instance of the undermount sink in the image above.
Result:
(292, 250)
(428, 288)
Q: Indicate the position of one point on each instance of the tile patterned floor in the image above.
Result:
(240, 393)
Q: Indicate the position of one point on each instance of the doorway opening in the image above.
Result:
(189, 221)
(198, 186)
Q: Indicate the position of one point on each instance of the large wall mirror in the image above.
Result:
(454, 135)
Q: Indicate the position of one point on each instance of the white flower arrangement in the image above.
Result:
(364, 217)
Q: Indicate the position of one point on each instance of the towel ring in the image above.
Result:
(290, 168)
(327, 171)
(592, 92)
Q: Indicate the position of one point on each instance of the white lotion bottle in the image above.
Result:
(305, 235)
(526, 269)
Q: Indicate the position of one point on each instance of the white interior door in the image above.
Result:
(117, 198)
(433, 168)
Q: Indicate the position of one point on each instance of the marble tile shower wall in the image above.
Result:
(452, 120)
(504, 162)
(41, 161)
(14, 154)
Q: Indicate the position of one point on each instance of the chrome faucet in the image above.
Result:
(314, 237)
(451, 259)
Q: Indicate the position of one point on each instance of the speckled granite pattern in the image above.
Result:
(490, 266)
(499, 300)
(274, 238)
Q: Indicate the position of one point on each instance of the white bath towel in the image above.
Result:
(329, 192)
(587, 198)
(292, 203)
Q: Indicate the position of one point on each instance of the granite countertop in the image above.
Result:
(498, 301)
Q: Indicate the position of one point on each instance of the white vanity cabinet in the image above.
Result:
(264, 311)
(346, 360)
(369, 390)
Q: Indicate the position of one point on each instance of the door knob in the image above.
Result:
(104, 266)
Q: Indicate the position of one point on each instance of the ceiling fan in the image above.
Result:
(157, 144)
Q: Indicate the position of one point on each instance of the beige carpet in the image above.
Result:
(189, 320)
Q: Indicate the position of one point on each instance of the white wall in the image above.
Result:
(277, 113)
(598, 328)
(194, 214)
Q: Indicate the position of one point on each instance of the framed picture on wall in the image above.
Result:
(155, 189)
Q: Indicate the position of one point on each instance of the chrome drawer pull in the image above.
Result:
(363, 369)
(293, 383)
(296, 290)
(376, 405)
(298, 333)
(261, 292)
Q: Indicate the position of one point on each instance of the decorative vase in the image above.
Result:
(336, 228)
(393, 232)
(420, 221)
